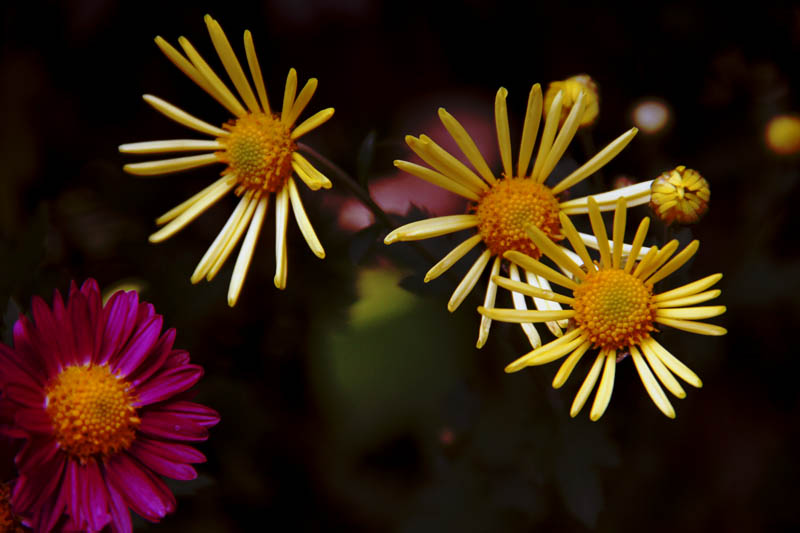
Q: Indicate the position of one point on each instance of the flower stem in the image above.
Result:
(344, 178)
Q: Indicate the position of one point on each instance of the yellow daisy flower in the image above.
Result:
(680, 195)
(614, 309)
(572, 88)
(259, 147)
(503, 206)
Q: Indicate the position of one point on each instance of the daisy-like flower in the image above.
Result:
(680, 195)
(503, 206)
(99, 395)
(259, 147)
(572, 87)
(614, 309)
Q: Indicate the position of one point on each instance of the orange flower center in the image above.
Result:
(615, 308)
(258, 152)
(510, 205)
(91, 411)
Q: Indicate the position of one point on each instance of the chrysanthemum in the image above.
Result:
(503, 206)
(98, 393)
(614, 309)
(259, 147)
(680, 195)
(572, 87)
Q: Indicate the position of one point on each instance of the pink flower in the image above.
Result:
(98, 394)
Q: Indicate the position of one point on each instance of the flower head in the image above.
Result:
(259, 147)
(782, 134)
(614, 309)
(680, 195)
(571, 88)
(503, 206)
(98, 394)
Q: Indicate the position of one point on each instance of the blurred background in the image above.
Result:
(353, 400)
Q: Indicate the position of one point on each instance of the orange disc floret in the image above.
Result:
(508, 207)
(92, 411)
(614, 308)
(258, 152)
(9, 522)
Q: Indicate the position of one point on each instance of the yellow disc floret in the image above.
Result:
(614, 308)
(92, 411)
(258, 152)
(510, 205)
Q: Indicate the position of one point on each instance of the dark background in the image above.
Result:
(349, 403)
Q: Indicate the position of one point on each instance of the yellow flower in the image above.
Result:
(614, 309)
(259, 147)
(503, 206)
(572, 88)
(783, 134)
(680, 195)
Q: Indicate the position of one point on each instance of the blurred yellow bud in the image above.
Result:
(680, 195)
(783, 134)
(572, 88)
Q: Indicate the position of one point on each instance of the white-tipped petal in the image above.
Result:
(469, 281)
(168, 166)
(606, 387)
(520, 304)
(213, 252)
(452, 257)
(634, 195)
(281, 222)
(194, 211)
(488, 302)
(176, 145)
(431, 227)
(246, 252)
(651, 385)
(302, 220)
(594, 164)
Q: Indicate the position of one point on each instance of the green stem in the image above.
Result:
(344, 178)
(362, 194)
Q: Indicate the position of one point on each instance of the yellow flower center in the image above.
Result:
(91, 411)
(614, 308)
(510, 205)
(258, 152)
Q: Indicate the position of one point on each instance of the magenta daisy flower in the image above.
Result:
(98, 392)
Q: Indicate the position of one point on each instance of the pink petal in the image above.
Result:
(161, 465)
(197, 413)
(119, 317)
(168, 383)
(142, 491)
(83, 331)
(171, 426)
(120, 516)
(46, 337)
(155, 359)
(27, 349)
(14, 370)
(24, 394)
(172, 451)
(35, 452)
(39, 485)
(139, 347)
(94, 497)
(34, 421)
